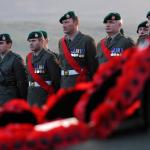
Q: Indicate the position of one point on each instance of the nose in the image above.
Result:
(107, 24)
(64, 25)
(31, 44)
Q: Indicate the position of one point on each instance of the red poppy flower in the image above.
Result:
(121, 97)
(57, 134)
(62, 104)
(17, 111)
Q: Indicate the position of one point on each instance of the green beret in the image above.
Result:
(148, 14)
(68, 15)
(112, 16)
(45, 35)
(5, 37)
(142, 24)
(35, 34)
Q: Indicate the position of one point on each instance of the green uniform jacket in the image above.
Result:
(120, 41)
(48, 70)
(13, 78)
(83, 50)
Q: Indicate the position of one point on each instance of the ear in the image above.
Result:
(9, 45)
(41, 40)
(76, 22)
(46, 40)
(120, 24)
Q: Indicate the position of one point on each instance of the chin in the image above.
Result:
(66, 32)
(108, 32)
(32, 50)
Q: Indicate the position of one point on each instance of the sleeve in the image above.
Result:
(54, 72)
(100, 56)
(21, 77)
(92, 62)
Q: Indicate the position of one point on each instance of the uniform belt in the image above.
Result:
(35, 84)
(68, 72)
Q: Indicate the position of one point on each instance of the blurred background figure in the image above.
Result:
(13, 77)
(142, 31)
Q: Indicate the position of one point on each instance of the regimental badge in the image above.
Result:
(36, 35)
(67, 16)
(3, 38)
(113, 17)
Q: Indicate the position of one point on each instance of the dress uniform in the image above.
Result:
(142, 31)
(81, 50)
(115, 44)
(13, 76)
(45, 68)
(45, 36)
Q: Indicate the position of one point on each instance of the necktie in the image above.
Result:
(68, 42)
(109, 41)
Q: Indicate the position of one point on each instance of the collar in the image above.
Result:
(4, 54)
(113, 36)
(37, 53)
(73, 37)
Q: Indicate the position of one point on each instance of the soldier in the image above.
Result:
(146, 91)
(43, 72)
(148, 17)
(142, 31)
(45, 46)
(115, 43)
(13, 77)
(77, 53)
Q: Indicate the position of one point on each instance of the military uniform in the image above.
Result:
(13, 76)
(117, 44)
(148, 15)
(83, 50)
(45, 66)
(56, 56)
(142, 38)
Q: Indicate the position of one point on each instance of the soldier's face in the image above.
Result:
(35, 44)
(69, 26)
(4, 46)
(143, 31)
(149, 24)
(112, 26)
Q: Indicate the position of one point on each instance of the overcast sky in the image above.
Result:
(131, 10)
(19, 17)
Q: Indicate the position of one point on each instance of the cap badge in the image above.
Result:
(3, 38)
(67, 16)
(36, 35)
